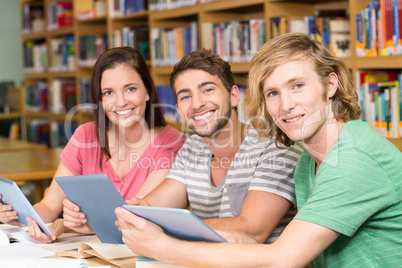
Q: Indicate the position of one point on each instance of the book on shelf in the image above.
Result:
(39, 131)
(167, 103)
(33, 18)
(340, 37)
(63, 95)
(62, 132)
(36, 97)
(379, 98)
(116, 254)
(62, 54)
(60, 14)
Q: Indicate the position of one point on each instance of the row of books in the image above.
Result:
(52, 134)
(378, 29)
(33, 20)
(156, 5)
(62, 54)
(64, 95)
(125, 7)
(60, 14)
(333, 32)
(380, 98)
(235, 41)
(90, 48)
(87, 9)
(37, 97)
(35, 56)
(133, 36)
(171, 44)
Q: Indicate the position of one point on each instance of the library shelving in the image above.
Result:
(175, 27)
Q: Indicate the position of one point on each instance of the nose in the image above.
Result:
(120, 100)
(287, 101)
(198, 101)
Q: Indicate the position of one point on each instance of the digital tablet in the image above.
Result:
(12, 195)
(176, 222)
(97, 198)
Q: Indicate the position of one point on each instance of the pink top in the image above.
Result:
(81, 156)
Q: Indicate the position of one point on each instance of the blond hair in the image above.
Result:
(286, 48)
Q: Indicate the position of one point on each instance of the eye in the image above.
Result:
(298, 86)
(130, 89)
(208, 90)
(184, 98)
(107, 93)
(272, 93)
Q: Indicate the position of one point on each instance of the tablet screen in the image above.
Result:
(12, 194)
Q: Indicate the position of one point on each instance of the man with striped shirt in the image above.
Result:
(230, 178)
(348, 180)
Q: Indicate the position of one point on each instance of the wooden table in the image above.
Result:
(7, 145)
(36, 165)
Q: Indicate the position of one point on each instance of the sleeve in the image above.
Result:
(178, 170)
(347, 192)
(275, 171)
(167, 153)
(72, 154)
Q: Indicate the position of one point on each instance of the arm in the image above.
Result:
(298, 245)
(260, 214)
(170, 193)
(153, 180)
(49, 208)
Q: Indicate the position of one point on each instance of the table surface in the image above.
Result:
(7, 145)
(29, 165)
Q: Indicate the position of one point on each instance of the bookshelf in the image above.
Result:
(173, 17)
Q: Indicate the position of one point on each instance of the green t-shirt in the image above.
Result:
(357, 192)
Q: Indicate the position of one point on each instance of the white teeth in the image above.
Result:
(201, 117)
(124, 112)
(293, 119)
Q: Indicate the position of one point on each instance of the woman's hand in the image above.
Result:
(74, 219)
(57, 229)
(8, 215)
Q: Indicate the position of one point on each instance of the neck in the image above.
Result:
(321, 143)
(227, 140)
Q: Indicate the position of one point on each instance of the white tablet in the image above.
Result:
(12, 195)
(179, 223)
(97, 198)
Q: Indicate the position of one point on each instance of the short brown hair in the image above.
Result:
(285, 48)
(207, 61)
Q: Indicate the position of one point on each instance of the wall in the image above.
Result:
(10, 42)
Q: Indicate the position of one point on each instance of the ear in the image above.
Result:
(332, 84)
(234, 96)
(147, 97)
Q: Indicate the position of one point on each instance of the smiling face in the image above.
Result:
(124, 95)
(203, 102)
(297, 100)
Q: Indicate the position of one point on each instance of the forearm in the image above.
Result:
(47, 214)
(239, 224)
(201, 254)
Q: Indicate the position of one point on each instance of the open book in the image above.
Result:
(116, 254)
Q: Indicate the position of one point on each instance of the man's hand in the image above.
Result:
(74, 219)
(139, 234)
(237, 237)
(57, 228)
(138, 202)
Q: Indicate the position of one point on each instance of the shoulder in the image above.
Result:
(169, 135)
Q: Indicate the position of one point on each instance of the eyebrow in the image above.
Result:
(290, 81)
(185, 90)
(126, 85)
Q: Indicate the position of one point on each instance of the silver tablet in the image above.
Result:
(97, 198)
(179, 223)
(12, 195)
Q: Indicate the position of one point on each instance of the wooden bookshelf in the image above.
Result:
(211, 12)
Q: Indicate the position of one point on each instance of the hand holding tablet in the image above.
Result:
(12, 195)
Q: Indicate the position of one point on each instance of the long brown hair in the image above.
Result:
(109, 60)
